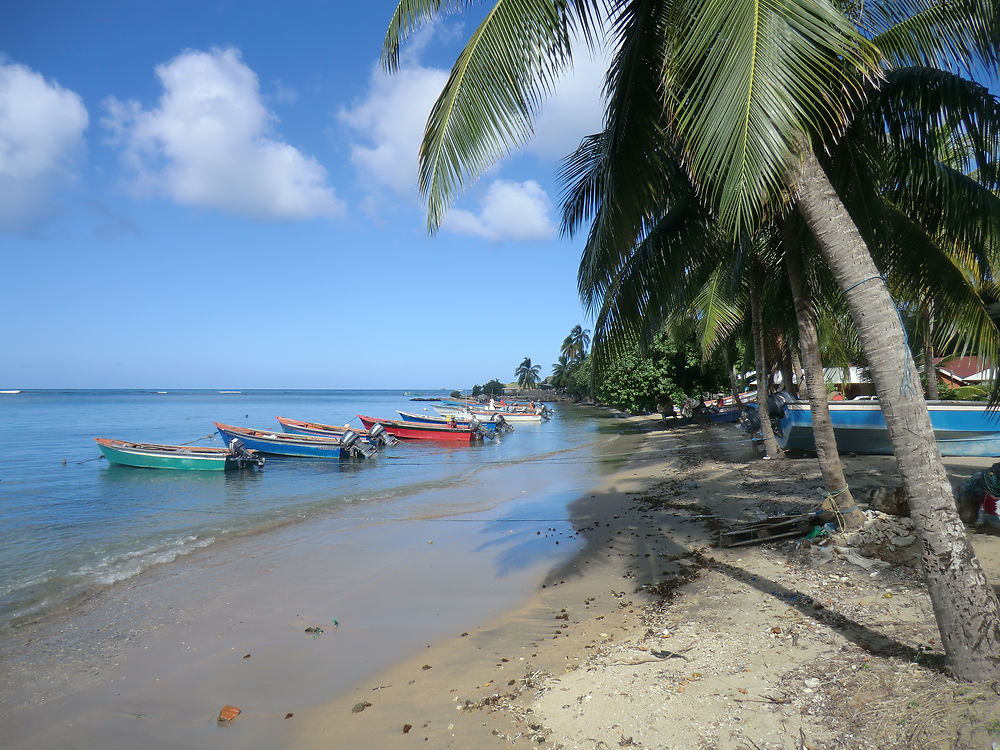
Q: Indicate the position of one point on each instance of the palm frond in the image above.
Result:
(951, 34)
(745, 80)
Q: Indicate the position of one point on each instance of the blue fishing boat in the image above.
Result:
(347, 445)
(720, 414)
(961, 428)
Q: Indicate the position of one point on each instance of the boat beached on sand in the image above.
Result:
(961, 428)
(185, 457)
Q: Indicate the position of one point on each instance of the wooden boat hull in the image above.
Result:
(961, 428)
(723, 414)
(420, 430)
(482, 416)
(317, 429)
(406, 416)
(180, 457)
(284, 444)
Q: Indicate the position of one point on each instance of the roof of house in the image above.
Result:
(966, 368)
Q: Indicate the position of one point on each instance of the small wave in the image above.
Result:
(115, 568)
(39, 580)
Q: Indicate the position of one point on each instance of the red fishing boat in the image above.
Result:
(425, 431)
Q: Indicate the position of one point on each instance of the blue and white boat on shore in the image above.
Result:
(961, 428)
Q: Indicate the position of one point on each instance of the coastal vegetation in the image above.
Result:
(862, 156)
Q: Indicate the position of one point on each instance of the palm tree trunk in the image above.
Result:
(771, 449)
(839, 495)
(796, 389)
(930, 371)
(786, 372)
(966, 608)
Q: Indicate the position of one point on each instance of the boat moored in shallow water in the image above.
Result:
(452, 432)
(347, 445)
(184, 457)
(376, 435)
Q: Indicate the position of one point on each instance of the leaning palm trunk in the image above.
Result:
(838, 494)
(966, 608)
(757, 323)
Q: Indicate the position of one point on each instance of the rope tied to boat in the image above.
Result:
(906, 384)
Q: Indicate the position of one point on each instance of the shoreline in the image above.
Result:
(650, 637)
(162, 653)
(621, 626)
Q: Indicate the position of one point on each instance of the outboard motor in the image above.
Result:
(379, 436)
(776, 403)
(477, 428)
(350, 443)
(502, 424)
(243, 456)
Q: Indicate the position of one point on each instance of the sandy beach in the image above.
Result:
(651, 637)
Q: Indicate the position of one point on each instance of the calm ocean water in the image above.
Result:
(72, 524)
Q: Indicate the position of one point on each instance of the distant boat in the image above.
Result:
(186, 457)
(424, 431)
(161, 392)
(10, 392)
(347, 445)
(961, 428)
(230, 391)
(376, 434)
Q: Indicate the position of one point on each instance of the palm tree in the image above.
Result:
(799, 70)
(575, 344)
(561, 371)
(527, 373)
(581, 340)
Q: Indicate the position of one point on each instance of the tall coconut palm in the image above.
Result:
(561, 371)
(798, 70)
(527, 374)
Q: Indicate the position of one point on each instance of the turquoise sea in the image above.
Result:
(72, 524)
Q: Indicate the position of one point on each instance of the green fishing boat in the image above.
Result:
(184, 457)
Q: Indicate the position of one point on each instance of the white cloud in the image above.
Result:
(576, 107)
(390, 123)
(41, 129)
(210, 142)
(518, 211)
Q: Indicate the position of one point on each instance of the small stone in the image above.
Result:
(359, 707)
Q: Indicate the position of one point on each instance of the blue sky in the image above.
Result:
(213, 194)
(222, 193)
